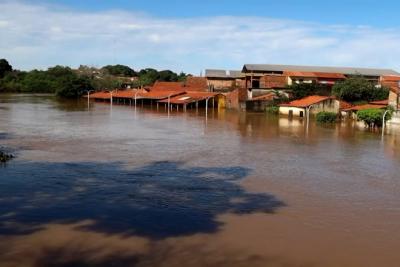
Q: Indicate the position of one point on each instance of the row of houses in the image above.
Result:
(258, 84)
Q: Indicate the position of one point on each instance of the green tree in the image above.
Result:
(326, 117)
(357, 88)
(300, 90)
(4, 67)
(373, 117)
(72, 86)
(119, 70)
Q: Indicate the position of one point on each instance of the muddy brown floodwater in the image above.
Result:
(115, 186)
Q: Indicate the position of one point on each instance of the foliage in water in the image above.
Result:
(326, 117)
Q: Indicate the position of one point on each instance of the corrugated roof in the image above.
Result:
(306, 101)
(342, 70)
(232, 74)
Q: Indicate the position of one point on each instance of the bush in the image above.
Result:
(373, 117)
(272, 110)
(326, 117)
(306, 89)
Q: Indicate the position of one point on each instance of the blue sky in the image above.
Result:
(356, 12)
(193, 35)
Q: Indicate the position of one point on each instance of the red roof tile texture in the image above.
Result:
(266, 97)
(168, 86)
(196, 84)
(306, 101)
(366, 106)
(189, 97)
(306, 74)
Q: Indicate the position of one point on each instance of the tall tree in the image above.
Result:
(4, 67)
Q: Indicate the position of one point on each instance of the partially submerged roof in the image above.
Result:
(341, 70)
(232, 74)
(306, 101)
(189, 97)
(100, 95)
(158, 95)
(267, 97)
(365, 106)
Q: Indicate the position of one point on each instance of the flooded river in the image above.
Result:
(119, 186)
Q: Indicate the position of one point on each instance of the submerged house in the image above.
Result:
(312, 104)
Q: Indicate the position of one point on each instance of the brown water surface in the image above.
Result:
(119, 186)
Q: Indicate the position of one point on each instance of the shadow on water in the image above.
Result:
(159, 200)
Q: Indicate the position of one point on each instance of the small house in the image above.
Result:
(312, 104)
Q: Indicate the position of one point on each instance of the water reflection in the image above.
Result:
(90, 189)
(158, 200)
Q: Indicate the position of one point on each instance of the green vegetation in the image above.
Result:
(373, 117)
(357, 88)
(119, 70)
(4, 67)
(4, 157)
(66, 82)
(300, 90)
(326, 117)
(272, 110)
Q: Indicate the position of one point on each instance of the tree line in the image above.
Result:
(66, 82)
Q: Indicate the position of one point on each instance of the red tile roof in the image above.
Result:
(307, 74)
(189, 97)
(167, 86)
(100, 95)
(345, 105)
(158, 95)
(266, 97)
(307, 101)
(366, 106)
(196, 84)
(391, 78)
(380, 102)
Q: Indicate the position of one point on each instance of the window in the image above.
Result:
(301, 114)
(255, 84)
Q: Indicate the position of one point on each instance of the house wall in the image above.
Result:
(296, 111)
(393, 99)
(329, 105)
(232, 99)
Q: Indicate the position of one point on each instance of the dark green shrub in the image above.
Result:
(272, 110)
(373, 117)
(326, 117)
